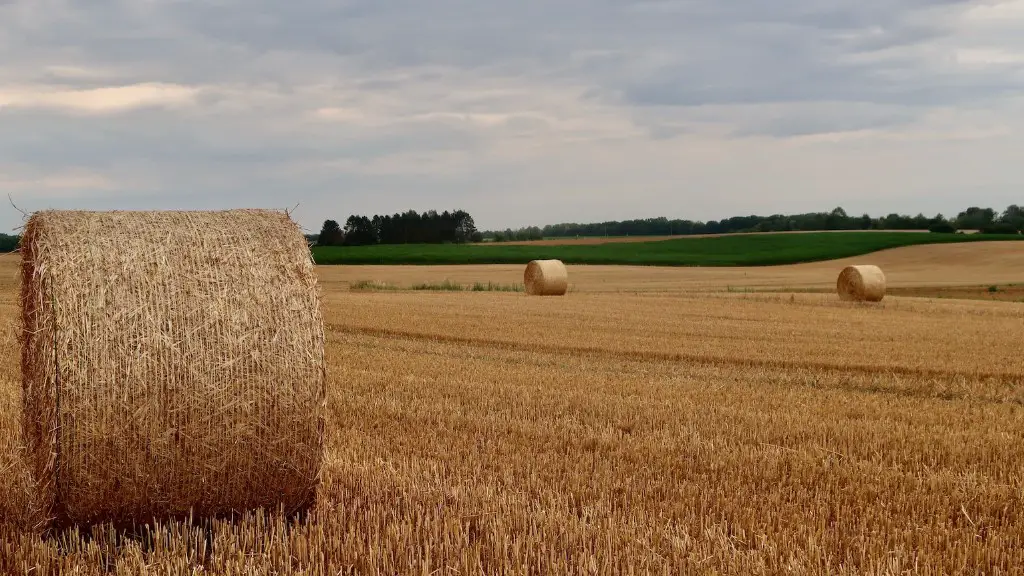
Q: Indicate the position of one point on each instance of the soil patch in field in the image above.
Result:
(1002, 293)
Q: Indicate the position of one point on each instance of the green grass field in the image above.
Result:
(733, 250)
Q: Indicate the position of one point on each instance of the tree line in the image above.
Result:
(410, 227)
(9, 243)
(986, 220)
(458, 227)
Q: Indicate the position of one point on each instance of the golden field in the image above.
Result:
(653, 421)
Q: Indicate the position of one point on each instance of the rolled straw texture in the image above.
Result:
(861, 284)
(546, 278)
(173, 363)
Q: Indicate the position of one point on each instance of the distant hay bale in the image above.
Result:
(171, 362)
(546, 278)
(861, 284)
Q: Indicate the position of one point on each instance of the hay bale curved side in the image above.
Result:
(864, 283)
(546, 278)
(171, 361)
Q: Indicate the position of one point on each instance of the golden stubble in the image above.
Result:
(628, 433)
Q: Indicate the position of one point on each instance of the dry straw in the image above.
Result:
(172, 362)
(546, 278)
(861, 284)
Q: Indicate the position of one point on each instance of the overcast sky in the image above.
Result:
(521, 112)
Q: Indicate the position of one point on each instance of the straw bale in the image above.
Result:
(546, 278)
(172, 362)
(861, 284)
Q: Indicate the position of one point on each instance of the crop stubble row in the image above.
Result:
(609, 433)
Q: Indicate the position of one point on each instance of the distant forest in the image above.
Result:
(458, 227)
(987, 220)
(8, 243)
(410, 227)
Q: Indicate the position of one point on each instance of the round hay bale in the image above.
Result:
(546, 278)
(861, 284)
(172, 363)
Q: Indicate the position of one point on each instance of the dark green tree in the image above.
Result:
(411, 227)
(942, 228)
(1013, 216)
(359, 231)
(465, 227)
(836, 220)
(975, 218)
(9, 243)
(331, 234)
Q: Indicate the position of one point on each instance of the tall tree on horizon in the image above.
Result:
(331, 234)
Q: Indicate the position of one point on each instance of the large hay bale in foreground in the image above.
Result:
(171, 361)
(546, 278)
(861, 284)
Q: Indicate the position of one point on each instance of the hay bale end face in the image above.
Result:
(546, 278)
(172, 363)
(861, 284)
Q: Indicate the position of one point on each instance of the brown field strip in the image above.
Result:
(672, 432)
(590, 240)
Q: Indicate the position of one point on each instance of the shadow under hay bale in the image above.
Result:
(546, 278)
(173, 364)
(861, 284)
(196, 541)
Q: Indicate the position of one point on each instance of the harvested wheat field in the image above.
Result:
(943, 265)
(664, 432)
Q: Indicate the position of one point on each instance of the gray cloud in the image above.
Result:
(521, 112)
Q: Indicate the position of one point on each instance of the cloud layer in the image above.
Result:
(522, 112)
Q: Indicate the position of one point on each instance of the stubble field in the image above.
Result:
(650, 422)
